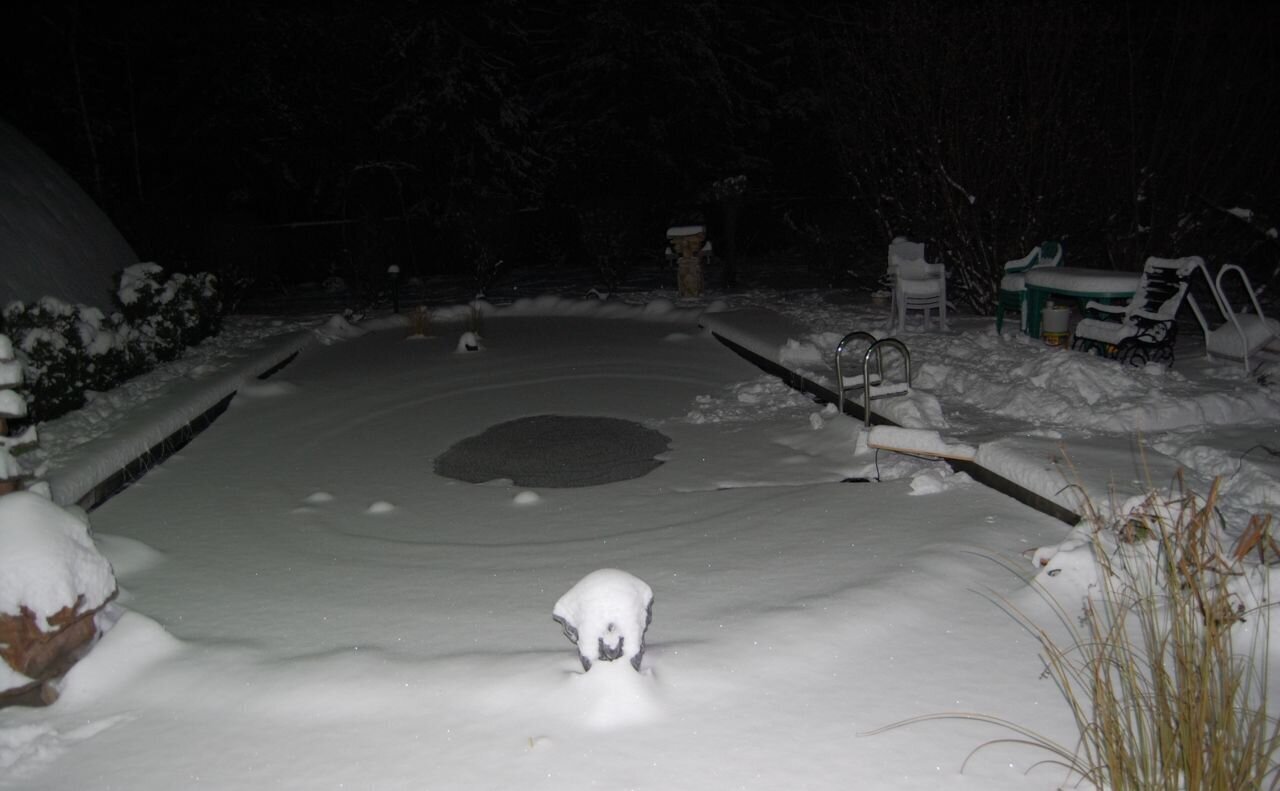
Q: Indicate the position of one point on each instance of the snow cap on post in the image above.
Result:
(606, 614)
(12, 405)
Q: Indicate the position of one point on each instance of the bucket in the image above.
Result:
(1055, 325)
(1055, 320)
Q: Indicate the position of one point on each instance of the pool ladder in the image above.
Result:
(874, 349)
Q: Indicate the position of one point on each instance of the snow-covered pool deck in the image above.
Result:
(1064, 477)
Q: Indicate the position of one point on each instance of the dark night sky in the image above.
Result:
(850, 120)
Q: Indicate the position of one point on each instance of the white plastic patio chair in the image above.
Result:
(917, 284)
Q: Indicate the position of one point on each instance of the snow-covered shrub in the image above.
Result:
(48, 341)
(167, 311)
(68, 349)
(53, 581)
(606, 615)
(112, 358)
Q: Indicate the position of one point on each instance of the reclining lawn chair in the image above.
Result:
(1013, 286)
(1144, 330)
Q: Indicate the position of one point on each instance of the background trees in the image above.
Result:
(293, 139)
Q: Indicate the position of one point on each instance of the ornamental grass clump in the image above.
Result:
(1163, 660)
(1165, 667)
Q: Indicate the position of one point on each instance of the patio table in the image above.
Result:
(1103, 285)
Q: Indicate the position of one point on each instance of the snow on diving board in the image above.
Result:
(918, 442)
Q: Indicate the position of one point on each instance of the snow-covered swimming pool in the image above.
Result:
(306, 605)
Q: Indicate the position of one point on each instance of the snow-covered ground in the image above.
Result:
(305, 604)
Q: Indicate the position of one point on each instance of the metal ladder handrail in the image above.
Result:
(840, 347)
(1230, 312)
(866, 366)
(875, 348)
(1225, 309)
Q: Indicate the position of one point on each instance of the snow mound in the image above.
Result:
(338, 328)
(134, 645)
(801, 354)
(936, 480)
(272, 389)
(469, 342)
(612, 696)
(48, 561)
(127, 555)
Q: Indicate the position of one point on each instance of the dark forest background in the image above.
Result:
(283, 142)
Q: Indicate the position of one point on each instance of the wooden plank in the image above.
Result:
(933, 454)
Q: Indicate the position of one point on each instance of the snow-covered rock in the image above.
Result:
(606, 614)
(52, 579)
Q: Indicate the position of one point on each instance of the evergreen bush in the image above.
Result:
(67, 350)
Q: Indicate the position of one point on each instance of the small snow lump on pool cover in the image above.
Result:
(555, 452)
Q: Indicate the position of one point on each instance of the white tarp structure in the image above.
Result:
(54, 240)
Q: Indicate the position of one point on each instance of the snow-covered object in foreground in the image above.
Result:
(47, 560)
(606, 615)
(51, 575)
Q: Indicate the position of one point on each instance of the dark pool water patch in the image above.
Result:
(555, 452)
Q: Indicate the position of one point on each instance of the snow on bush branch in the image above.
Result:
(67, 349)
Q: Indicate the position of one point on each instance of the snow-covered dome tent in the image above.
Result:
(54, 240)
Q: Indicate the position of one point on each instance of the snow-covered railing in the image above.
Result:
(1240, 334)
